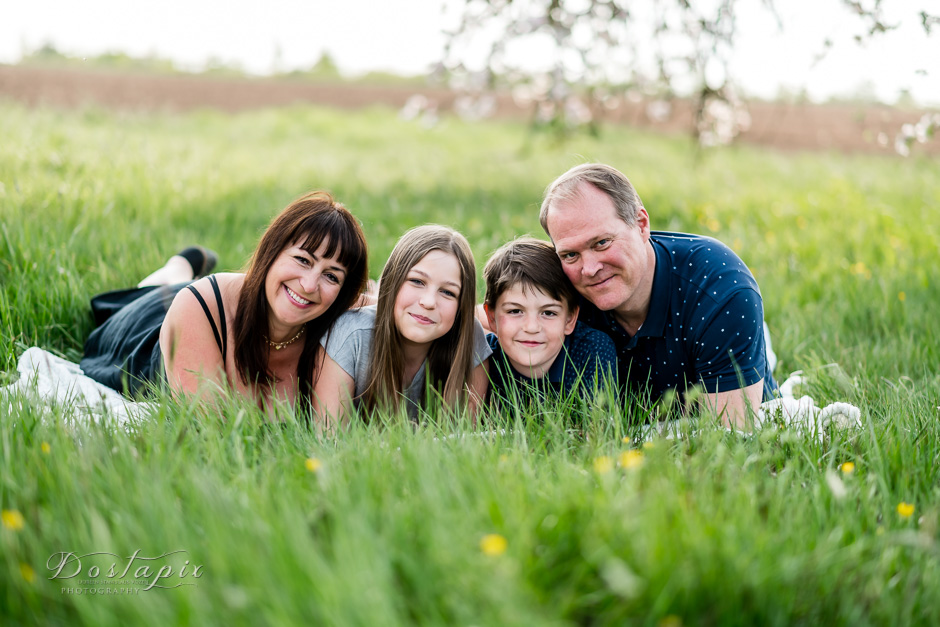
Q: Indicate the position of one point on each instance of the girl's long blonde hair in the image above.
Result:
(450, 358)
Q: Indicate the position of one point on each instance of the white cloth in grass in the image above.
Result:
(59, 387)
(349, 344)
(803, 414)
(797, 414)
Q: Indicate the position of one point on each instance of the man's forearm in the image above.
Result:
(732, 407)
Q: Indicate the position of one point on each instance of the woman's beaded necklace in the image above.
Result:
(279, 345)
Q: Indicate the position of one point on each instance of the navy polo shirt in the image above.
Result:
(704, 326)
(586, 354)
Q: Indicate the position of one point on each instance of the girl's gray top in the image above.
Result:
(349, 343)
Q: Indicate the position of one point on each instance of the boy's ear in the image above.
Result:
(572, 320)
(490, 318)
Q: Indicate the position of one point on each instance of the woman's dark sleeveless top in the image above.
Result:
(124, 351)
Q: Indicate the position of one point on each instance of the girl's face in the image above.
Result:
(427, 302)
(300, 286)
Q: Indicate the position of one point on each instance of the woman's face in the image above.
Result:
(427, 302)
(300, 287)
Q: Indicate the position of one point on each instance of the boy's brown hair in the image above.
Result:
(531, 263)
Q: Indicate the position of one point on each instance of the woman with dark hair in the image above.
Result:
(257, 333)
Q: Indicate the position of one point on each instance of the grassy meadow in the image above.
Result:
(537, 524)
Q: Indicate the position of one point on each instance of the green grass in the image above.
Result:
(712, 529)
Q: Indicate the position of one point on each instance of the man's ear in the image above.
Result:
(643, 223)
(572, 320)
(490, 318)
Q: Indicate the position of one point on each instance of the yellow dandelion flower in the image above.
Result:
(12, 519)
(860, 269)
(631, 459)
(905, 510)
(625, 439)
(313, 464)
(670, 621)
(603, 464)
(649, 444)
(902, 296)
(847, 468)
(45, 448)
(27, 572)
(713, 225)
(503, 458)
(493, 544)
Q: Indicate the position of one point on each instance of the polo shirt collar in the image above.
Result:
(655, 323)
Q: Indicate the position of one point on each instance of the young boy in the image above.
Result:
(538, 342)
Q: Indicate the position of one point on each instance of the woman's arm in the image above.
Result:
(191, 356)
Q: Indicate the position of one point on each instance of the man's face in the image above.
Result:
(609, 263)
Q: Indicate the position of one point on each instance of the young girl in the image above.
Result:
(423, 322)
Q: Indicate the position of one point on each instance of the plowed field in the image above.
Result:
(845, 128)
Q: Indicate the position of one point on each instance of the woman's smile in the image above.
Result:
(294, 296)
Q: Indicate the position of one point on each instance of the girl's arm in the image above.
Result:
(477, 386)
(478, 383)
(333, 393)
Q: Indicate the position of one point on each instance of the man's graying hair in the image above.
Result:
(609, 180)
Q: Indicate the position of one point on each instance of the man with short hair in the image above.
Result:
(682, 309)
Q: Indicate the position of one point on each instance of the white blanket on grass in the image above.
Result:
(59, 387)
(56, 383)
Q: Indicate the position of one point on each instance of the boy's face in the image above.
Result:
(531, 327)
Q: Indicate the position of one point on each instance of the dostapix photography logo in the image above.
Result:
(109, 573)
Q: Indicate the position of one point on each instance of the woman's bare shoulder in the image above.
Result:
(185, 304)
(227, 281)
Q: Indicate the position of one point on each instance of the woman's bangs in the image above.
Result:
(341, 240)
(314, 239)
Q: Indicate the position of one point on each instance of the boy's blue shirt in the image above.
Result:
(587, 355)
